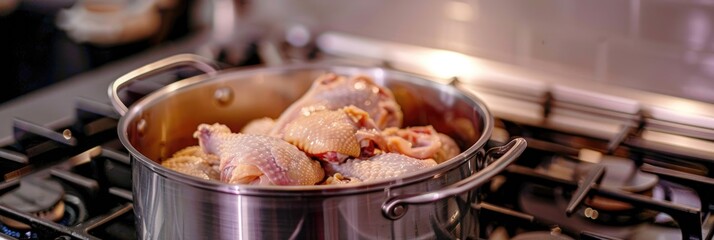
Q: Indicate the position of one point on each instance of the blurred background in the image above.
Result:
(661, 46)
(47, 41)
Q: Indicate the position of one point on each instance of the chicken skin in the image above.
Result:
(347, 127)
(332, 136)
(332, 92)
(257, 159)
(381, 166)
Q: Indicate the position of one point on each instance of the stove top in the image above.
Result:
(597, 166)
(573, 187)
(73, 182)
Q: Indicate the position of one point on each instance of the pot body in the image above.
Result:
(168, 209)
(169, 205)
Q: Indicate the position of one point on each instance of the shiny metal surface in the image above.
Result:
(170, 205)
(195, 61)
(396, 207)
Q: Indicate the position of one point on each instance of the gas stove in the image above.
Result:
(65, 175)
(601, 163)
(73, 182)
(574, 186)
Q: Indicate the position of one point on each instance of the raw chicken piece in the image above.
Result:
(338, 179)
(191, 165)
(417, 142)
(448, 150)
(380, 166)
(247, 158)
(196, 151)
(333, 136)
(260, 126)
(331, 92)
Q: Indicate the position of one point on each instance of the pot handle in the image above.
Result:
(396, 207)
(179, 60)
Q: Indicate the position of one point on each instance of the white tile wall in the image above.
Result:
(607, 16)
(682, 23)
(664, 46)
(557, 50)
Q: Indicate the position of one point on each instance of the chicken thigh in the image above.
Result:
(331, 92)
(246, 158)
(332, 136)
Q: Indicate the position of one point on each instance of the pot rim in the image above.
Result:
(311, 190)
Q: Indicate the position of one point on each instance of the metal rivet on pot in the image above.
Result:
(398, 210)
(67, 134)
(141, 126)
(223, 95)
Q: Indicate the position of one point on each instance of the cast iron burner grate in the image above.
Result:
(503, 207)
(85, 158)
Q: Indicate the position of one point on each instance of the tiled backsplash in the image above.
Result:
(663, 46)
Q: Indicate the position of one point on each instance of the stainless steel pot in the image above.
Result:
(426, 204)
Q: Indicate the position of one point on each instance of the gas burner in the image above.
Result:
(554, 201)
(69, 215)
(72, 198)
(534, 201)
(44, 199)
(39, 197)
(621, 174)
(70, 181)
(615, 213)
